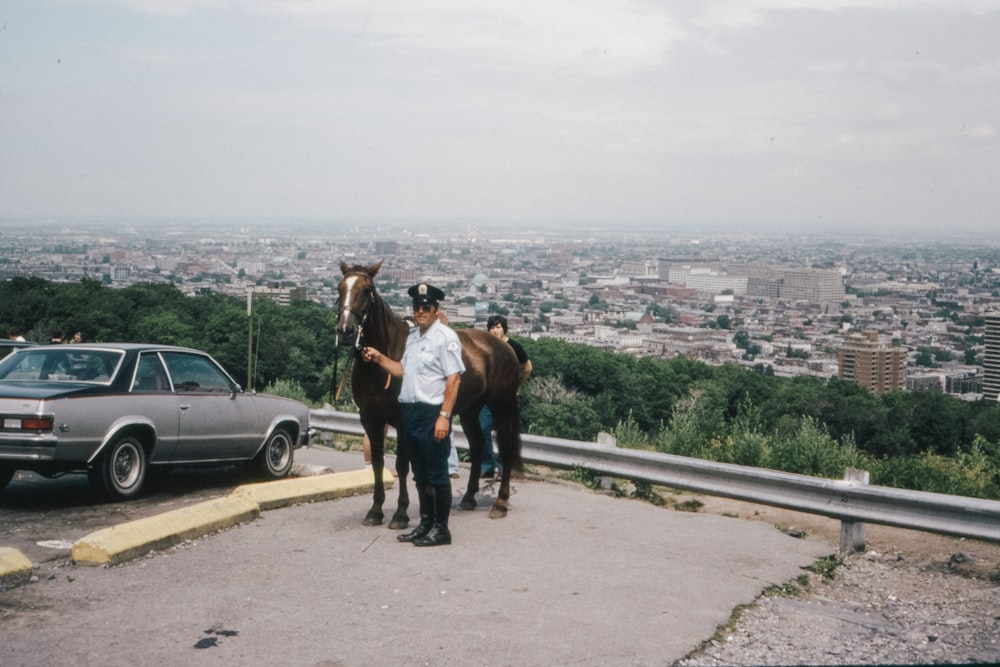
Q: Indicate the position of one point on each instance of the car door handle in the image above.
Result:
(185, 406)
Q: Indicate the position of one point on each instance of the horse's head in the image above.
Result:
(356, 295)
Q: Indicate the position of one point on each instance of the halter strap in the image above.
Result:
(363, 316)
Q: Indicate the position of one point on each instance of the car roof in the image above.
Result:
(123, 347)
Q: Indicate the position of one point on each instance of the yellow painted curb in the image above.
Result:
(15, 568)
(284, 492)
(118, 544)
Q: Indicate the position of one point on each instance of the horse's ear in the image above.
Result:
(344, 268)
(373, 269)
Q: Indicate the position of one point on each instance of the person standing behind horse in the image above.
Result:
(431, 371)
(497, 325)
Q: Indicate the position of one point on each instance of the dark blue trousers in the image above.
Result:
(428, 458)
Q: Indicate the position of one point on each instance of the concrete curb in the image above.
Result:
(312, 489)
(15, 568)
(117, 544)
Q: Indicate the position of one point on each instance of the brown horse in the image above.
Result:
(490, 378)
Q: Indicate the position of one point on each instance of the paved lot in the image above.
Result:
(569, 577)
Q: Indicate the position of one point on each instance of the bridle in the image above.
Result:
(361, 317)
(359, 339)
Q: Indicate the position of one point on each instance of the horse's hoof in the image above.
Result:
(468, 504)
(373, 519)
(398, 523)
(498, 512)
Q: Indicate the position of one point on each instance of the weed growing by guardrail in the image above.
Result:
(826, 566)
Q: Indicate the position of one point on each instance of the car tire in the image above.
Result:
(121, 470)
(6, 474)
(275, 460)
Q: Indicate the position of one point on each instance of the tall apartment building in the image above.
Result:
(701, 274)
(798, 284)
(383, 248)
(865, 360)
(991, 360)
(817, 285)
(283, 296)
(707, 280)
(681, 266)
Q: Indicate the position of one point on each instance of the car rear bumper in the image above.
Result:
(30, 448)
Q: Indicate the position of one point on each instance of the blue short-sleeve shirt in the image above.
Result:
(427, 362)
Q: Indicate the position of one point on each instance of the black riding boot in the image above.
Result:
(426, 498)
(438, 534)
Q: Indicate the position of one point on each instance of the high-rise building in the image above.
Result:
(801, 284)
(383, 248)
(991, 359)
(871, 363)
(283, 296)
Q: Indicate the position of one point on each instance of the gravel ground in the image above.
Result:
(911, 598)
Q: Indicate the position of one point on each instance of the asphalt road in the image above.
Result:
(570, 577)
(43, 517)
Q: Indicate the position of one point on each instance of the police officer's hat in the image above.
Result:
(424, 293)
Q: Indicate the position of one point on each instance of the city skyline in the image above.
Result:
(766, 115)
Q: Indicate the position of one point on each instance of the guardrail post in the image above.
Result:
(852, 533)
(605, 439)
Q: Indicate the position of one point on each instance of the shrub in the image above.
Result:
(974, 474)
(289, 389)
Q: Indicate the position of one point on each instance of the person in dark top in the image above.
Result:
(497, 325)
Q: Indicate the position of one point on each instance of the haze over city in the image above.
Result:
(788, 114)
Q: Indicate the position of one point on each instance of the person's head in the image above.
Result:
(78, 337)
(426, 300)
(497, 325)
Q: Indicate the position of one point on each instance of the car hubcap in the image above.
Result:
(278, 453)
(125, 470)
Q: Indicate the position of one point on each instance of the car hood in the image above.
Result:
(43, 390)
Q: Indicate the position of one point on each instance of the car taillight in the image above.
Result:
(27, 423)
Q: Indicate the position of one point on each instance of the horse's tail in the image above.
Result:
(516, 463)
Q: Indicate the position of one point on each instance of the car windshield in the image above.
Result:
(63, 364)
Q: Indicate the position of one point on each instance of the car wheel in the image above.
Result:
(275, 460)
(6, 474)
(122, 469)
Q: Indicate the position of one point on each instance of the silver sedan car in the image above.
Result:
(115, 411)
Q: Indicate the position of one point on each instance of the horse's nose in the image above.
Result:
(345, 326)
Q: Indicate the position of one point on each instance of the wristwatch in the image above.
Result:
(445, 414)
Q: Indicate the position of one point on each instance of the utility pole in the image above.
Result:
(249, 336)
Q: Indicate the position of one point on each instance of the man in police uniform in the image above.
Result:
(431, 370)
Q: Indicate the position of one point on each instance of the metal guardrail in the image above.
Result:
(852, 502)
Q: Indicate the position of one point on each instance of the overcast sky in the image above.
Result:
(808, 114)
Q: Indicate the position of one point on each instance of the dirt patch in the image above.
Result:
(909, 598)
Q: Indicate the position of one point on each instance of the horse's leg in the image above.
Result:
(377, 439)
(474, 434)
(507, 423)
(401, 519)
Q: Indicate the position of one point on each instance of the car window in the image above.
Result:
(61, 365)
(23, 366)
(149, 375)
(7, 347)
(193, 372)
